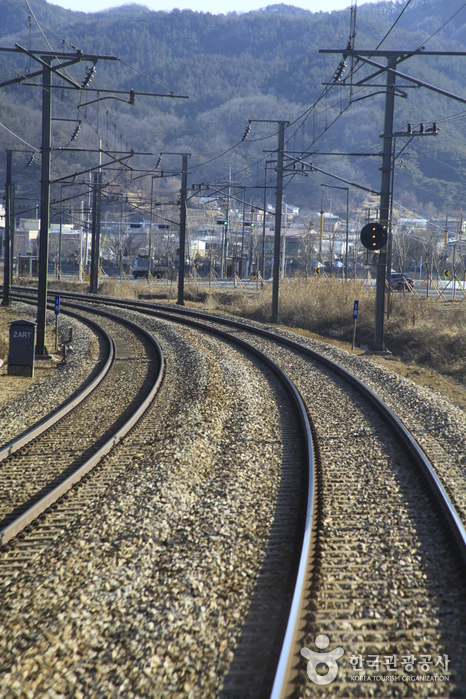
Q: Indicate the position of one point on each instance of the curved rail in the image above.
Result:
(44, 503)
(48, 421)
(408, 440)
(448, 511)
(284, 667)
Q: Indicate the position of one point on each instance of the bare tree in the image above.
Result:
(308, 241)
(402, 246)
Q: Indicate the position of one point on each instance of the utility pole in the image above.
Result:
(263, 225)
(60, 239)
(41, 350)
(278, 211)
(283, 263)
(393, 59)
(7, 240)
(385, 194)
(321, 236)
(347, 234)
(278, 219)
(183, 198)
(222, 255)
(149, 266)
(227, 227)
(240, 270)
(81, 238)
(390, 230)
(65, 60)
(12, 232)
(95, 241)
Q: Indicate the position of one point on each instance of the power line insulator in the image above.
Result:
(247, 132)
(76, 131)
(337, 76)
(89, 75)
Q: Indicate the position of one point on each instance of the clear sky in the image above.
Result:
(212, 6)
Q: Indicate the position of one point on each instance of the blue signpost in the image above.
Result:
(57, 313)
(355, 317)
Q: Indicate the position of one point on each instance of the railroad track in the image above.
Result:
(261, 635)
(43, 463)
(393, 609)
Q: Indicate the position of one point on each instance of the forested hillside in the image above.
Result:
(259, 65)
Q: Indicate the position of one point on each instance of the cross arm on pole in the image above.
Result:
(39, 73)
(335, 177)
(54, 69)
(58, 55)
(400, 59)
(419, 83)
(112, 97)
(97, 167)
(99, 90)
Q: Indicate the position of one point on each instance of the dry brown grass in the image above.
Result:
(68, 285)
(427, 332)
(4, 337)
(118, 289)
(56, 284)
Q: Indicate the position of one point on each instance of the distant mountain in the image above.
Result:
(282, 9)
(257, 65)
(128, 10)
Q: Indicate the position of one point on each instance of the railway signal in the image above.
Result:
(374, 236)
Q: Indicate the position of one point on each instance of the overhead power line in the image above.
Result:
(19, 137)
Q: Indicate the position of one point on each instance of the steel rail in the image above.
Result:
(416, 451)
(447, 509)
(285, 667)
(289, 653)
(49, 420)
(17, 525)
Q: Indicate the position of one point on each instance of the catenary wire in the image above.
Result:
(442, 26)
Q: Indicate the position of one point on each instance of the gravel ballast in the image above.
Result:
(146, 596)
(150, 598)
(36, 398)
